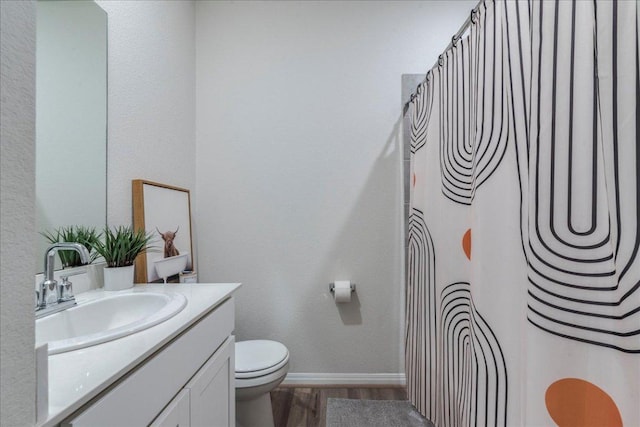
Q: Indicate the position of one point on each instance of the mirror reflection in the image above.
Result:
(71, 117)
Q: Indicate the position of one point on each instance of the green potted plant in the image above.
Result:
(86, 236)
(119, 247)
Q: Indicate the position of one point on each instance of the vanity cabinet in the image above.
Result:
(188, 382)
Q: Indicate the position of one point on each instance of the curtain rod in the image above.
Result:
(454, 39)
(458, 35)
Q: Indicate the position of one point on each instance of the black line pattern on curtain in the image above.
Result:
(456, 155)
(468, 379)
(420, 316)
(475, 384)
(578, 161)
(421, 114)
(421, 330)
(474, 108)
(491, 108)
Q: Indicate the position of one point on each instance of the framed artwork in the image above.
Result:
(164, 211)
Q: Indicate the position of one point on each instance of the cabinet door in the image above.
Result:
(176, 414)
(212, 389)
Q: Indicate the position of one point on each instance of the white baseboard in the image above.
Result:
(300, 378)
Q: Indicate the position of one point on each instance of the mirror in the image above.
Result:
(71, 117)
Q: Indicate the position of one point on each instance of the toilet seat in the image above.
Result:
(259, 358)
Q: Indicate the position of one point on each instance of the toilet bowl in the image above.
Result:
(260, 366)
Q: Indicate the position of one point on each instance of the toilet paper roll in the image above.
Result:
(342, 291)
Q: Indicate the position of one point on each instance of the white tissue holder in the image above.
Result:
(333, 285)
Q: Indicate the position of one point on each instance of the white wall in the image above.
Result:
(17, 211)
(298, 163)
(151, 83)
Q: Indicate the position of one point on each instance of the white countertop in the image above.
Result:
(78, 376)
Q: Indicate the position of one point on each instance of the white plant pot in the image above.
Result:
(118, 278)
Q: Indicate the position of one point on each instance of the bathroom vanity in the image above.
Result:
(177, 373)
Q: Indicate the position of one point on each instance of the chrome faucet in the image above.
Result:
(50, 295)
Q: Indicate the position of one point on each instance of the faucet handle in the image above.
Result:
(49, 289)
(65, 289)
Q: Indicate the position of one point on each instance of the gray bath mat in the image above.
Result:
(373, 413)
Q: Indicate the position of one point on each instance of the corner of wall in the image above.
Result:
(17, 206)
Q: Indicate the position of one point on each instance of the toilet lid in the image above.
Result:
(259, 357)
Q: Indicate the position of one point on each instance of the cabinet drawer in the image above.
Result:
(140, 397)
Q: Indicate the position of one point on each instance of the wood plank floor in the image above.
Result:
(307, 406)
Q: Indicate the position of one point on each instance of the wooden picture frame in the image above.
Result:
(161, 208)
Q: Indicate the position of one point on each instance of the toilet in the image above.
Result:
(260, 366)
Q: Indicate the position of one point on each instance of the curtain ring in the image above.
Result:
(454, 40)
(440, 61)
(473, 15)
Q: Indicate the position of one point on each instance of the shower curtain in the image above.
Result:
(523, 265)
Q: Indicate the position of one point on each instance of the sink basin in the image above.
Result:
(105, 319)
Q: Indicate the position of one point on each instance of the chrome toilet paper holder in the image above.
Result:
(332, 286)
